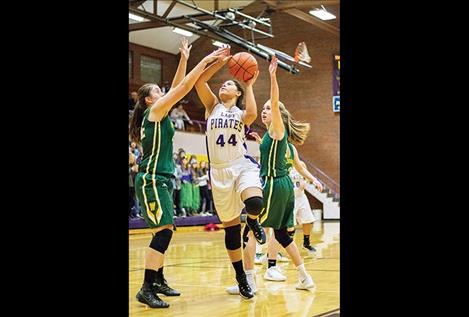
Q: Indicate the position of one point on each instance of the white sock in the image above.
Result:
(252, 272)
(258, 248)
(302, 271)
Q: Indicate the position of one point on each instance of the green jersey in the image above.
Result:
(157, 145)
(273, 156)
(290, 159)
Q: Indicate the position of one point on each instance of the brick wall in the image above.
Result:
(169, 63)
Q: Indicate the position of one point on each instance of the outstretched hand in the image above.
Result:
(219, 54)
(256, 136)
(184, 49)
(318, 185)
(273, 66)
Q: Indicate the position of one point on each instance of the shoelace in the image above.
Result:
(256, 230)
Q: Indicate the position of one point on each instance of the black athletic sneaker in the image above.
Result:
(163, 288)
(309, 248)
(147, 295)
(245, 290)
(258, 231)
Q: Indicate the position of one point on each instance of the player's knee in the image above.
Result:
(281, 235)
(291, 233)
(233, 237)
(254, 205)
(161, 239)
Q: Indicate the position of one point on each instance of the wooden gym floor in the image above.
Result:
(197, 265)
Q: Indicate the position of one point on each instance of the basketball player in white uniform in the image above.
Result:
(235, 178)
(302, 214)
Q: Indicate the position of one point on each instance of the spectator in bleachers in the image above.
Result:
(133, 169)
(178, 115)
(211, 209)
(166, 87)
(195, 188)
(177, 187)
(186, 187)
(136, 151)
(193, 159)
(181, 155)
(133, 100)
(203, 187)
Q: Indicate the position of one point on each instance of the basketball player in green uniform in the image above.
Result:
(273, 273)
(279, 198)
(151, 126)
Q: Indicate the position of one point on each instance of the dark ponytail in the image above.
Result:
(137, 116)
(239, 101)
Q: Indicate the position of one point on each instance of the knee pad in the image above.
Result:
(291, 233)
(282, 237)
(161, 239)
(254, 205)
(233, 237)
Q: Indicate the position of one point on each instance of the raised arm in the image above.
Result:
(208, 98)
(181, 70)
(161, 107)
(250, 114)
(300, 166)
(277, 129)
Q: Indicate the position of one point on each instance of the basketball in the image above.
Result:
(242, 66)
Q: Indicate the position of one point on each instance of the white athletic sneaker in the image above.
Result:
(281, 258)
(252, 281)
(273, 274)
(306, 284)
(260, 258)
(234, 290)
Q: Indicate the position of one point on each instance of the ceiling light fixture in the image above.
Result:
(136, 17)
(322, 14)
(182, 32)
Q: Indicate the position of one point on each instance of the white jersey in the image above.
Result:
(225, 135)
(296, 179)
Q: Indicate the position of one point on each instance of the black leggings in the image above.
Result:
(204, 198)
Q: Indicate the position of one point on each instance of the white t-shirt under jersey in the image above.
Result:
(225, 135)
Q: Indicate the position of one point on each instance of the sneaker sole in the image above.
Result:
(245, 298)
(237, 293)
(142, 300)
(313, 287)
(274, 280)
(168, 295)
(309, 251)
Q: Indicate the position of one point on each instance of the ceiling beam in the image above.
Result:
(312, 20)
(144, 14)
(136, 4)
(171, 6)
(168, 22)
(299, 4)
(156, 21)
(157, 24)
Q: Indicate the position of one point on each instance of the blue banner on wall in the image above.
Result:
(336, 103)
(336, 83)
